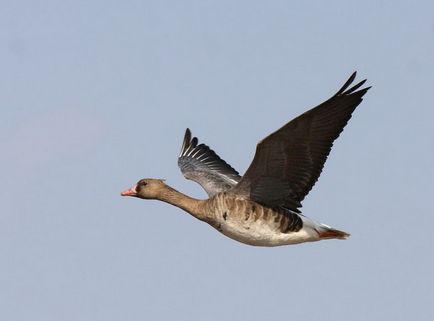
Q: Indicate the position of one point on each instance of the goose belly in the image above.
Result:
(258, 231)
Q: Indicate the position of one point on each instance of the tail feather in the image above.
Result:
(326, 232)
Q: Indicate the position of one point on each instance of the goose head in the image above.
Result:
(147, 188)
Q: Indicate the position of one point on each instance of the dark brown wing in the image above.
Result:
(288, 162)
(201, 164)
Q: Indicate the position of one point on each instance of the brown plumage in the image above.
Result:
(262, 207)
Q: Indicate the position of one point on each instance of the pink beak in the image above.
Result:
(130, 192)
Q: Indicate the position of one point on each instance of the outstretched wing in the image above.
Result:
(202, 165)
(288, 162)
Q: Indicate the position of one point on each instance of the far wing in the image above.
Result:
(201, 164)
(288, 162)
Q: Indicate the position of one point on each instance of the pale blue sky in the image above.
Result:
(97, 94)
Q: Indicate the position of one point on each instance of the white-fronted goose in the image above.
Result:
(262, 207)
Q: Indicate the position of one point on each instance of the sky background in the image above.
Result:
(95, 95)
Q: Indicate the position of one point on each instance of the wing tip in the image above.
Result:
(347, 90)
(186, 142)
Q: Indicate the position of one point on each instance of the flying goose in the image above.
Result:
(262, 207)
